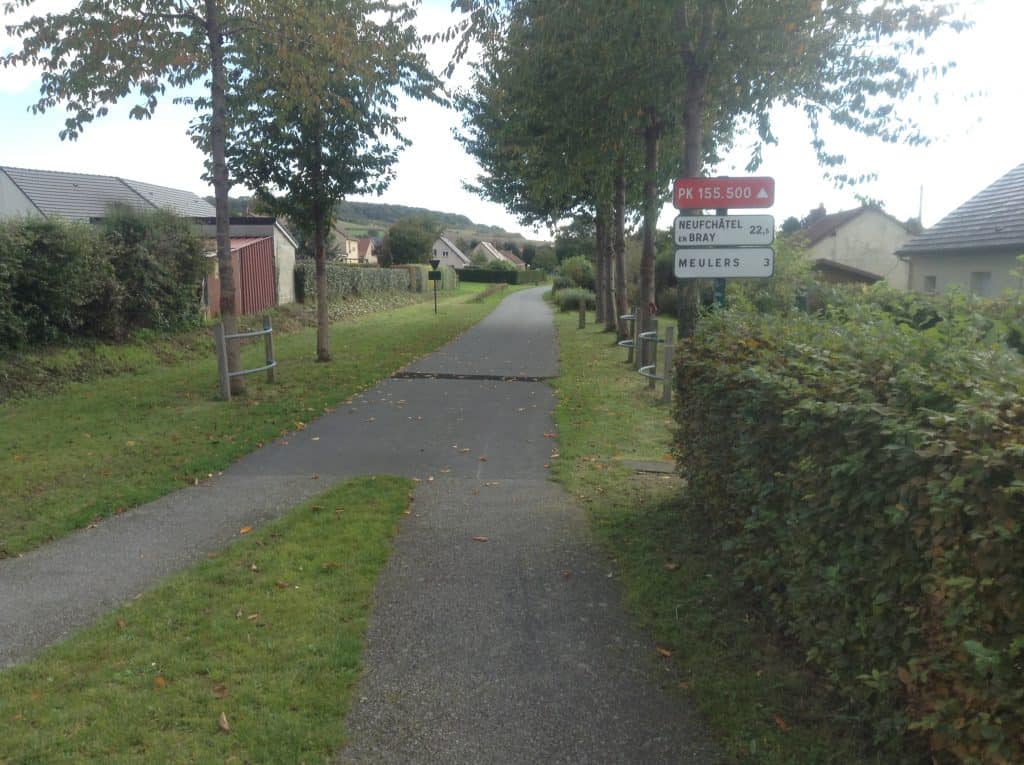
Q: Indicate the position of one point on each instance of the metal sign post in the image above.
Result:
(435, 277)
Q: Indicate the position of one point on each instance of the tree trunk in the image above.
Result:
(221, 187)
(693, 164)
(647, 307)
(619, 205)
(611, 319)
(323, 316)
(601, 234)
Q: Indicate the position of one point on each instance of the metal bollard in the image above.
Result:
(667, 376)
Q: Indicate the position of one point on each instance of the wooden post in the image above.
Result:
(638, 350)
(583, 312)
(632, 331)
(222, 360)
(670, 346)
(269, 340)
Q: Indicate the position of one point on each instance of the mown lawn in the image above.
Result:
(248, 657)
(99, 447)
(752, 688)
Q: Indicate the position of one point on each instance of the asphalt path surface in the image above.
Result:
(498, 634)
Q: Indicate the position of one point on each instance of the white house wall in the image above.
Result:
(868, 242)
(13, 203)
(955, 270)
(284, 266)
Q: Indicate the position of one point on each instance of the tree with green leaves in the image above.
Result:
(845, 62)
(102, 51)
(314, 117)
(409, 240)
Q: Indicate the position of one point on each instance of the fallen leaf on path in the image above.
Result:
(664, 652)
(222, 723)
(481, 539)
(463, 451)
(159, 682)
(253, 617)
(671, 566)
(567, 574)
(220, 690)
(483, 459)
(245, 529)
(281, 585)
(550, 435)
(783, 725)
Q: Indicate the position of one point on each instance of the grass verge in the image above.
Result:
(752, 688)
(268, 633)
(100, 447)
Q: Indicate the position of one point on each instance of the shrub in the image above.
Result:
(865, 479)
(580, 270)
(570, 299)
(562, 283)
(60, 285)
(159, 264)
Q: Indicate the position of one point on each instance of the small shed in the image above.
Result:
(253, 261)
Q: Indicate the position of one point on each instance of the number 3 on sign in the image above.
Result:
(767, 262)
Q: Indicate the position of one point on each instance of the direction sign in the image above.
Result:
(724, 230)
(725, 263)
(717, 193)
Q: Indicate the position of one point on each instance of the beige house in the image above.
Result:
(367, 252)
(975, 247)
(857, 246)
(450, 255)
(490, 253)
(347, 246)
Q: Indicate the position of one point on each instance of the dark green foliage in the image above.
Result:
(409, 241)
(570, 299)
(490, 276)
(562, 283)
(500, 265)
(545, 260)
(58, 283)
(580, 270)
(159, 263)
(865, 479)
(345, 281)
(377, 212)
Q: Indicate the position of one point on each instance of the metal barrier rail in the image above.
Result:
(221, 339)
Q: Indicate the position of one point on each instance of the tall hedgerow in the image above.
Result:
(865, 475)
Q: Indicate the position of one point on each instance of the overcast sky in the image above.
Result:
(976, 124)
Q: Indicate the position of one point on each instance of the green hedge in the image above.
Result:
(491, 276)
(61, 280)
(419, 277)
(344, 281)
(570, 299)
(865, 480)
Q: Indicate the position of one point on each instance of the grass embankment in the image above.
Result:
(250, 656)
(752, 689)
(96, 448)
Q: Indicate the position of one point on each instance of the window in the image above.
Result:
(929, 284)
(981, 283)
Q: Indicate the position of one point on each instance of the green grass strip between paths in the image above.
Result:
(250, 656)
(98, 448)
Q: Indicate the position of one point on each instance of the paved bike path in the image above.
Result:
(514, 649)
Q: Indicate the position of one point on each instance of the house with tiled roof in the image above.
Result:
(85, 197)
(367, 250)
(489, 253)
(976, 246)
(449, 254)
(856, 246)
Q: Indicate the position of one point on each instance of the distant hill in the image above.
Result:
(374, 218)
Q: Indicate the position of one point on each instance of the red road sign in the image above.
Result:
(716, 193)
